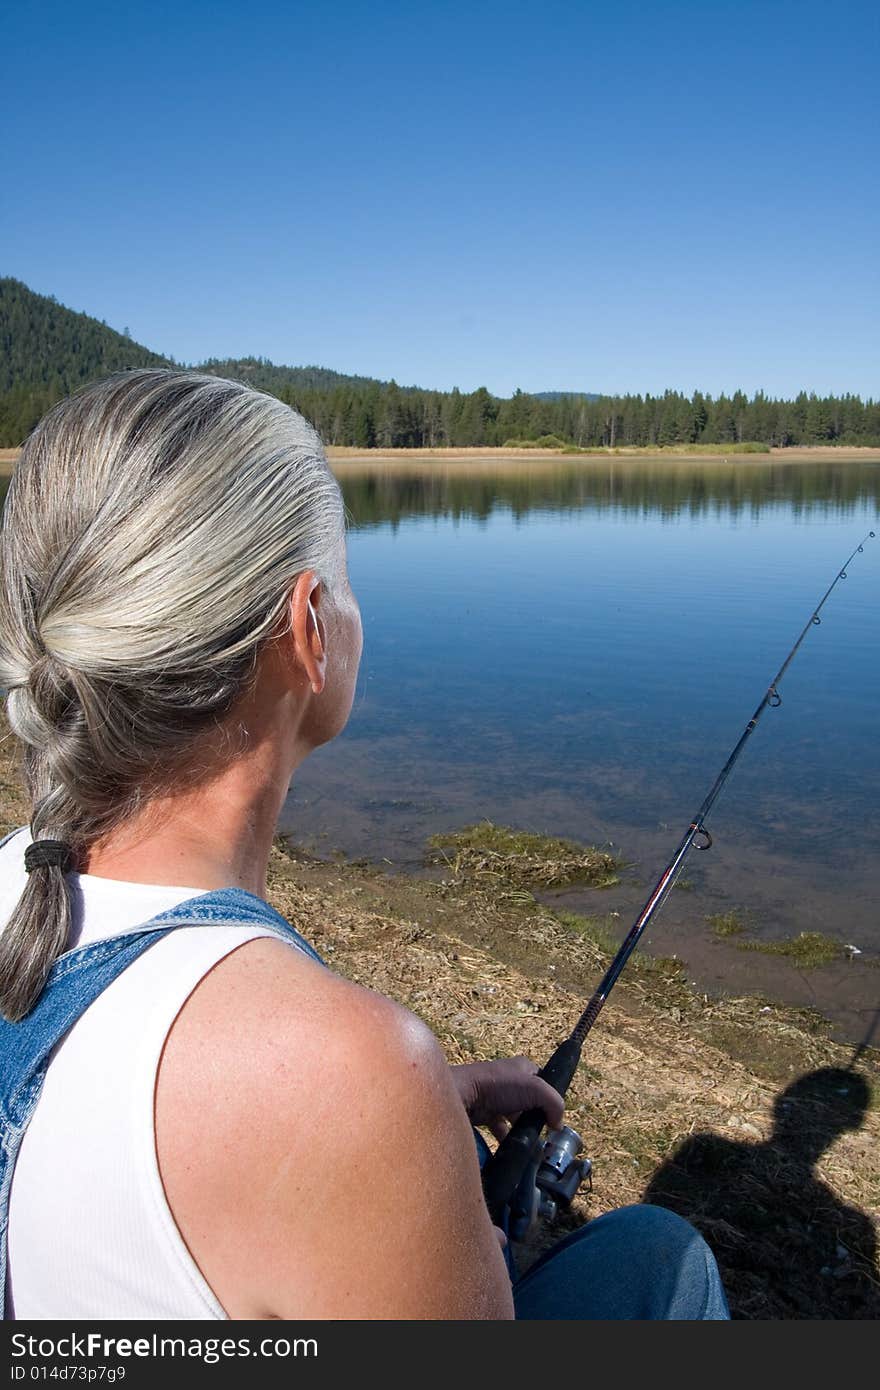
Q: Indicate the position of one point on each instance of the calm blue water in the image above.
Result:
(575, 649)
(578, 653)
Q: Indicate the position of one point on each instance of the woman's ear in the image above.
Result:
(308, 629)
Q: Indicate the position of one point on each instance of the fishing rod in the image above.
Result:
(519, 1162)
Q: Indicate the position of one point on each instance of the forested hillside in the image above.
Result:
(257, 371)
(46, 351)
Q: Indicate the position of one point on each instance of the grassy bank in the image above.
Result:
(743, 1115)
(517, 454)
(729, 1111)
(521, 452)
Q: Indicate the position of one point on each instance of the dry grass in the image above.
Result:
(481, 456)
(14, 809)
(352, 459)
(678, 1095)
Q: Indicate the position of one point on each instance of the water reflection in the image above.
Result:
(574, 648)
(393, 492)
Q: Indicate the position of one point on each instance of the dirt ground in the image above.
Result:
(741, 1115)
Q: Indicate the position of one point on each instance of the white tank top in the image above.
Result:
(91, 1234)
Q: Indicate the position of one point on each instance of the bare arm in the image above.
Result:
(316, 1154)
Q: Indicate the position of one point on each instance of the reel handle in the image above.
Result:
(503, 1172)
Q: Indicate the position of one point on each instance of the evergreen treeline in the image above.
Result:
(391, 417)
(47, 350)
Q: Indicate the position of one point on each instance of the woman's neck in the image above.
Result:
(218, 833)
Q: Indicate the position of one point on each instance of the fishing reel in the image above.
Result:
(549, 1182)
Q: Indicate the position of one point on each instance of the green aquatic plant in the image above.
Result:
(808, 950)
(726, 923)
(596, 929)
(521, 857)
(666, 973)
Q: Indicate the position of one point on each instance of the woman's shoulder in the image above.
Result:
(300, 1120)
(268, 1027)
(264, 1005)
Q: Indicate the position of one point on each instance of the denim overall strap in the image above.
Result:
(74, 982)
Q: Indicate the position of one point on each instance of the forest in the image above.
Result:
(47, 351)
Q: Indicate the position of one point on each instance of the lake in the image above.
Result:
(575, 647)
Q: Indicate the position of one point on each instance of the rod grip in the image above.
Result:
(504, 1170)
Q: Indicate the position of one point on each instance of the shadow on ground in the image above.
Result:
(787, 1246)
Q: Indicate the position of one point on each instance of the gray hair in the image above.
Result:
(155, 525)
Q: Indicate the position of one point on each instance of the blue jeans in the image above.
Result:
(634, 1263)
(637, 1262)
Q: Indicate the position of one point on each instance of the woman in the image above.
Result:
(226, 1128)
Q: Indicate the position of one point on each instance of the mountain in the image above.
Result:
(565, 395)
(260, 372)
(44, 344)
(48, 350)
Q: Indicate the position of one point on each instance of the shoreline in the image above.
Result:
(345, 456)
(669, 1075)
(806, 454)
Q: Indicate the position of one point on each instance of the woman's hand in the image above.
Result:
(495, 1093)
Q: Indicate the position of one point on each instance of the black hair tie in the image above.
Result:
(47, 854)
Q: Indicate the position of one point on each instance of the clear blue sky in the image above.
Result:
(606, 197)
